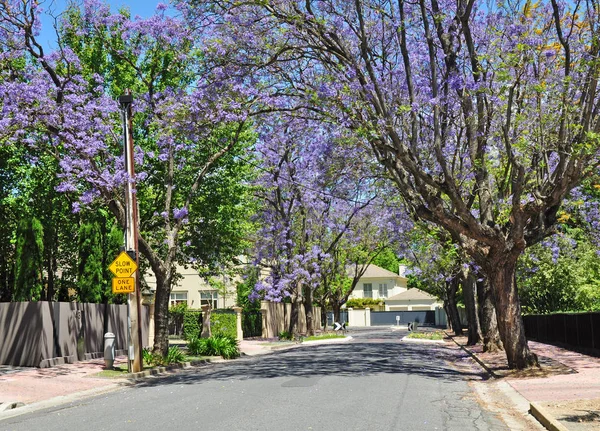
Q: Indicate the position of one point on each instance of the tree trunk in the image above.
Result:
(293, 327)
(206, 328)
(323, 306)
(470, 296)
(508, 313)
(453, 309)
(448, 320)
(487, 317)
(161, 311)
(337, 311)
(308, 311)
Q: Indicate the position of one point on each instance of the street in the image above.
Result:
(373, 382)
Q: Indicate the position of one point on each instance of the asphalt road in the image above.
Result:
(374, 382)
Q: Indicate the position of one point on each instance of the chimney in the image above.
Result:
(402, 270)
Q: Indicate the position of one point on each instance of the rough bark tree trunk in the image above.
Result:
(470, 296)
(308, 311)
(447, 311)
(337, 311)
(323, 306)
(161, 314)
(453, 316)
(487, 317)
(508, 313)
(293, 327)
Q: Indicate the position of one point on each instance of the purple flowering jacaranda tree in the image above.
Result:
(486, 115)
(317, 203)
(188, 129)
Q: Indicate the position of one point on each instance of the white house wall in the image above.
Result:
(192, 285)
(393, 289)
(411, 305)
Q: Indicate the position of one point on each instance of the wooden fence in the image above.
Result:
(276, 318)
(42, 334)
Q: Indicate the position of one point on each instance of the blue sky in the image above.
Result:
(143, 8)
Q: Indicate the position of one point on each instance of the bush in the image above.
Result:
(192, 323)
(364, 303)
(285, 335)
(194, 346)
(174, 356)
(223, 323)
(217, 345)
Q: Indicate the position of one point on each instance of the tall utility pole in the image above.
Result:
(134, 300)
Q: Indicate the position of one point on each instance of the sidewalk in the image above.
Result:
(564, 393)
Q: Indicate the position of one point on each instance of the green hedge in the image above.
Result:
(223, 323)
(192, 323)
(364, 302)
(252, 323)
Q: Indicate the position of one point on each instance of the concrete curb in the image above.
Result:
(421, 340)
(327, 341)
(10, 405)
(57, 401)
(538, 412)
(545, 418)
(474, 356)
(162, 370)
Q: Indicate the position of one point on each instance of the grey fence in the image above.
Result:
(425, 317)
(580, 330)
(343, 317)
(42, 333)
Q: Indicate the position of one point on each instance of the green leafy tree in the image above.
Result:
(387, 259)
(29, 260)
(90, 282)
(561, 274)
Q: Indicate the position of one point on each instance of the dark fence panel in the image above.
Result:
(574, 329)
(43, 333)
(252, 323)
(343, 317)
(424, 317)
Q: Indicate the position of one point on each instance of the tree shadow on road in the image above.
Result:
(340, 360)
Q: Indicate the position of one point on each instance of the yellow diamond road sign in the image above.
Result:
(123, 265)
(123, 285)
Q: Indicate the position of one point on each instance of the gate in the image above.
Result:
(424, 317)
(343, 317)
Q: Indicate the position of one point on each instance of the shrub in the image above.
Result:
(364, 303)
(223, 323)
(285, 335)
(217, 345)
(192, 323)
(194, 346)
(174, 356)
(147, 356)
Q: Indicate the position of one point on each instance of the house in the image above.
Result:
(412, 300)
(379, 283)
(196, 291)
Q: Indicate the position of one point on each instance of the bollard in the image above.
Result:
(109, 350)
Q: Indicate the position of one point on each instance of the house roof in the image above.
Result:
(412, 295)
(374, 271)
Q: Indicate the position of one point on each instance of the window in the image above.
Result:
(368, 290)
(383, 293)
(177, 298)
(209, 297)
